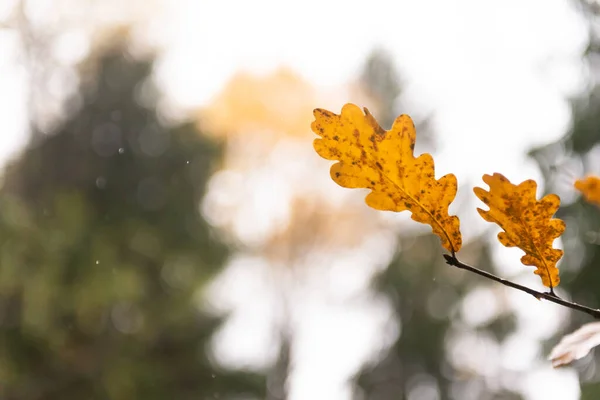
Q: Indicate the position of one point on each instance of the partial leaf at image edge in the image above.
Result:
(575, 345)
(590, 189)
(527, 223)
(370, 157)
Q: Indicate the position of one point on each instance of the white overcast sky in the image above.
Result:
(495, 73)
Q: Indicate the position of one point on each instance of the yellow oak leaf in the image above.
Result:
(590, 188)
(383, 161)
(527, 223)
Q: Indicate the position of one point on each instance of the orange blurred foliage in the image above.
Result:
(280, 102)
(590, 189)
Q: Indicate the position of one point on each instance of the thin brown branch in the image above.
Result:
(550, 296)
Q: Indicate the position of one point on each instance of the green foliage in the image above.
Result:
(102, 251)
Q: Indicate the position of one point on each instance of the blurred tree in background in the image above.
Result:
(103, 252)
(427, 295)
(380, 79)
(573, 156)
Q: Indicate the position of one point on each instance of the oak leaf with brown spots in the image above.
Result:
(527, 223)
(370, 157)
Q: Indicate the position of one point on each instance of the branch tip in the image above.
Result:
(550, 296)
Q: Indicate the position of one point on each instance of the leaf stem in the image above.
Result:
(550, 296)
